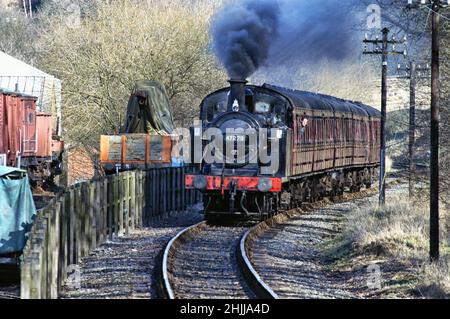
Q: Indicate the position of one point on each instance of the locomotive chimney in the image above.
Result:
(236, 99)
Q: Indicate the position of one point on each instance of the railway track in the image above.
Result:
(9, 295)
(206, 261)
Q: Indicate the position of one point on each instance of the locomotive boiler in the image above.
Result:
(261, 149)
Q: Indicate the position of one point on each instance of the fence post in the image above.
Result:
(138, 200)
(55, 229)
(78, 224)
(72, 227)
(92, 212)
(116, 204)
(126, 210)
(121, 202)
(105, 209)
(183, 189)
(47, 274)
(133, 199)
(98, 213)
(156, 189)
(35, 268)
(63, 248)
(86, 220)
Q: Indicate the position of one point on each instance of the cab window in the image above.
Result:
(262, 107)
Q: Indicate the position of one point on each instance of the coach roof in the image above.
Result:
(316, 101)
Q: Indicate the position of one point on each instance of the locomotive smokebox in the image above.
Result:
(236, 99)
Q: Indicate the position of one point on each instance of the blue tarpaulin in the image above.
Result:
(17, 210)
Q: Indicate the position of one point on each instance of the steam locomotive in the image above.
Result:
(27, 140)
(321, 145)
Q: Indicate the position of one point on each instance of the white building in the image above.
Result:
(16, 75)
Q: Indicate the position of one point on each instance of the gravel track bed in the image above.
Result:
(204, 265)
(124, 268)
(10, 292)
(9, 282)
(287, 255)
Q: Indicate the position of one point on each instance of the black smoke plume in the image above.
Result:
(242, 35)
(251, 34)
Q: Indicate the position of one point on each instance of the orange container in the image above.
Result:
(135, 149)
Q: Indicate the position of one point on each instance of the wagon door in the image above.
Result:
(29, 143)
(3, 141)
(13, 127)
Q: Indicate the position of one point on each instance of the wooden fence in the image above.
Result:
(88, 214)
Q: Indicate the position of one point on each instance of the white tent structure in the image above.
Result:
(16, 75)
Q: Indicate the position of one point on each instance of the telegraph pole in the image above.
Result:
(434, 135)
(384, 70)
(384, 51)
(412, 125)
(413, 71)
(435, 5)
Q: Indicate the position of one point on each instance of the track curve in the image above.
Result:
(204, 261)
(260, 287)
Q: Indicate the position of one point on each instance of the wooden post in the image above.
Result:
(127, 197)
(25, 278)
(183, 187)
(78, 224)
(63, 249)
(72, 227)
(35, 269)
(157, 189)
(116, 203)
(55, 229)
(139, 206)
(173, 189)
(105, 209)
(85, 222)
(98, 213)
(133, 197)
(121, 199)
(92, 211)
(112, 206)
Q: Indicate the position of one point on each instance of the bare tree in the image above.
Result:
(100, 59)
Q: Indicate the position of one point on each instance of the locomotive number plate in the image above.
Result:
(235, 138)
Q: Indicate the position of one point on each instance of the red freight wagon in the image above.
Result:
(26, 138)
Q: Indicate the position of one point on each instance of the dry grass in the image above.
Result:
(396, 234)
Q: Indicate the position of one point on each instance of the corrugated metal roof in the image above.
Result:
(16, 75)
